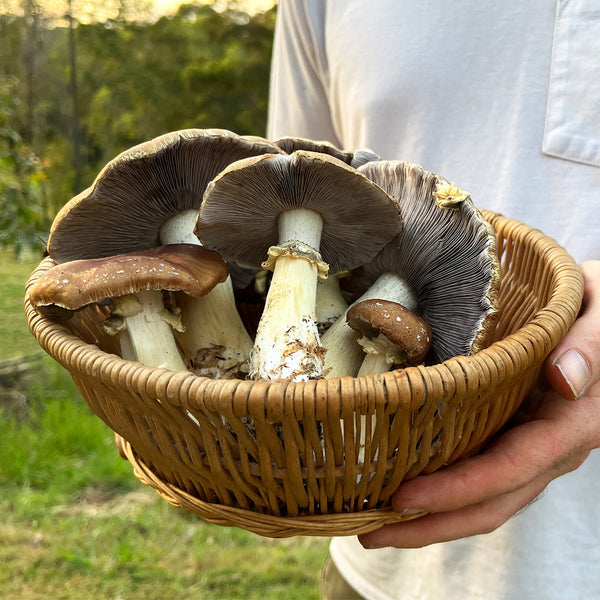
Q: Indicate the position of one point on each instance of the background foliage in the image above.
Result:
(75, 91)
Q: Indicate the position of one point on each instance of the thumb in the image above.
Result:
(574, 365)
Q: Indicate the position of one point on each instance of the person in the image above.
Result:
(502, 99)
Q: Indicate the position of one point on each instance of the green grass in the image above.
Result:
(15, 336)
(77, 524)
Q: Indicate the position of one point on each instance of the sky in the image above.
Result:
(57, 7)
(168, 6)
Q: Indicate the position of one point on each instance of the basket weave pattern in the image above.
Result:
(281, 458)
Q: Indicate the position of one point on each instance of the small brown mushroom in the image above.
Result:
(391, 335)
(133, 282)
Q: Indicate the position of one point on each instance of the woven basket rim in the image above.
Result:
(539, 331)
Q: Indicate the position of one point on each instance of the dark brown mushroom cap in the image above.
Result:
(179, 267)
(447, 255)
(241, 207)
(140, 189)
(354, 159)
(399, 325)
(291, 144)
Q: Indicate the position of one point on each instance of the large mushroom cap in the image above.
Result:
(141, 188)
(241, 207)
(446, 252)
(75, 284)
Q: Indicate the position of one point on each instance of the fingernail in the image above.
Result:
(374, 547)
(411, 512)
(575, 370)
(370, 541)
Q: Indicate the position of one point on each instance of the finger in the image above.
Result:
(574, 365)
(476, 519)
(515, 459)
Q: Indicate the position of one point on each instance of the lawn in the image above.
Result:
(77, 524)
(16, 339)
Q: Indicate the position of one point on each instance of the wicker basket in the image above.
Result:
(280, 458)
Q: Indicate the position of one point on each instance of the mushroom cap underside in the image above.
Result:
(447, 255)
(240, 212)
(357, 158)
(291, 144)
(136, 192)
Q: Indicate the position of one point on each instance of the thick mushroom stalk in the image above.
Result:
(149, 330)
(331, 303)
(287, 341)
(309, 212)
(134, 283)
(214, 339)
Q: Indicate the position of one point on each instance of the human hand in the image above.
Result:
(481, 493)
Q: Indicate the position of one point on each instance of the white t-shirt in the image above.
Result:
(504, 100)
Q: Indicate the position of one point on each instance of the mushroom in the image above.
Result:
(443, 265)
(149, 195)
(330, 301)
(391, 334)
(134, 283)
(308, 212)
(354, 159)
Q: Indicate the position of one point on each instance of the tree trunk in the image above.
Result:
(75, 115)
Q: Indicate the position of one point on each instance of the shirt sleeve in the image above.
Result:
(298, 101)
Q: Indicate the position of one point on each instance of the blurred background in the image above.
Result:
(81, 81)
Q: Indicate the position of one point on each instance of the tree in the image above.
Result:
(81, 90)
(22, 213)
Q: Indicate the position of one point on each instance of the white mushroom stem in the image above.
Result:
(127, 349)
(214, 331)
(373, 361)
(150, 335)
(377, 355)
(221, 345)
(287, 341)
(330, 302)
(301, 224)
(344, 355)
